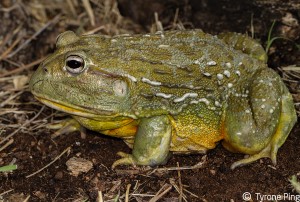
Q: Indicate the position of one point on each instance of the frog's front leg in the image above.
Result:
(151, 144)
(67, 126)
(259, 123)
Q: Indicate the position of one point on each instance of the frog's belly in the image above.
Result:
(195, 137)
(189, 139)
(196, 143)
(190, 143)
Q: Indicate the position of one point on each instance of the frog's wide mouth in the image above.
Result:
(75, 110)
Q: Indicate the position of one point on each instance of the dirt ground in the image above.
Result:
(28, 33)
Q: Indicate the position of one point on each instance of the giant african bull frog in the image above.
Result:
(174, 91)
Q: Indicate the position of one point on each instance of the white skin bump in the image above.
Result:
(230, 85)
(163, 95)
(153, 83)
(186, 95)
(211, 63)
(206, 74)
(227, 73)
(220, 76)
(204, 100)
(228, 64)
(132, 78)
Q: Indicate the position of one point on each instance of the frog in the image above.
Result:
(169, 92)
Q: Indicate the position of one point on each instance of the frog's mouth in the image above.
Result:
(76, 110)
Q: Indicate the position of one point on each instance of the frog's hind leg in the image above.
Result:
(245, 44)
(259, 123)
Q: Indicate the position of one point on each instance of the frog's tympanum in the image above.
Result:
(176, 91)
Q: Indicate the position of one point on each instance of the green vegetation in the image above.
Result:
(295, 183)
(8, 168)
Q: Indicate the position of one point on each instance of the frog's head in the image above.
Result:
(71, 80)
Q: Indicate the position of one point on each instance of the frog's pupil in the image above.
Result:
(74, 64)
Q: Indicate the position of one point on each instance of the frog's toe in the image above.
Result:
(66, 126)
(266, 152)
(127, 159)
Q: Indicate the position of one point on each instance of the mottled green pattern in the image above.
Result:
(210, 88)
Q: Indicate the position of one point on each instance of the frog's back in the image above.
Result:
(185, 74)
(171, 68)
(176, 62)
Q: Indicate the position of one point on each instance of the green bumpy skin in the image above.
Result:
(176, 91)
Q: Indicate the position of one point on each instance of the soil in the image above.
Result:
(28, 32)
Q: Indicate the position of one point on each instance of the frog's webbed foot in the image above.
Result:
(127, 159)
(286, 121)
(151, 143)
(265, 153)
(259, 124)
(66, 126)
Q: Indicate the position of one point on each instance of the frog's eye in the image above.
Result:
(74, 64)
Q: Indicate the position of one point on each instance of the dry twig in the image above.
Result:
(26, 123)
(7, 144)
(180, 184)
(181, 194)
(6, 192)
(196, 166)
(46, 166)
(53, 21)
(165, 189)
(100, 197)
(15, 71)
(89, 11)
(127, 193)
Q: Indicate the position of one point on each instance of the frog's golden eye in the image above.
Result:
(74, 64)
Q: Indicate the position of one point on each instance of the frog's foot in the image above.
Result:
(265, 153)
(66, 126)
(127, 159)
(259, 123)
